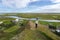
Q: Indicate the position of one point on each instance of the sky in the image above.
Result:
(34, 6)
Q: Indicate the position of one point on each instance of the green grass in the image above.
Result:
(42, 16)
(32, 35)
(11, 29)
(4, 19)
(47, 23)
(11, 32)
(47, 32)
(34, 15)
(29, 34)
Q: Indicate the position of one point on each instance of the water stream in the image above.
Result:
(33, 19)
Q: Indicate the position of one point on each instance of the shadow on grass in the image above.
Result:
(57, 33)
(8, 36)
(48, 38)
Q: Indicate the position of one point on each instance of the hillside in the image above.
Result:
(29, 32)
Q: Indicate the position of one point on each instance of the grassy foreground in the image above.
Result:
(22, 33)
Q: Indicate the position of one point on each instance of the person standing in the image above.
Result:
(36, 23)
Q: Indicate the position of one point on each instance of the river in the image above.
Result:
(33, 19)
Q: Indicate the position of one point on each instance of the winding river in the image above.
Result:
(33, 19)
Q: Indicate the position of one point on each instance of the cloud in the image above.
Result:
(17, 3)
(55, 1)
(48, 8)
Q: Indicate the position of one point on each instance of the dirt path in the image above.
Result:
(32, 25)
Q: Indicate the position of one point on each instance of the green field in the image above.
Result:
(22, 31)
(34, 15)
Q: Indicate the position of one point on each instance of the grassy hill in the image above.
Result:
(19, 32)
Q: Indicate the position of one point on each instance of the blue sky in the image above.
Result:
(35, 6)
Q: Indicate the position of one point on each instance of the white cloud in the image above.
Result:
(48, 8)
(24, 3)
(17, 3)
(55, 1)
(34, 0)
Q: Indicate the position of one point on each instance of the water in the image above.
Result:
(51, 20)
(33, 19)
(13, 16)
